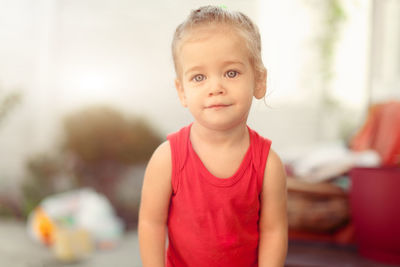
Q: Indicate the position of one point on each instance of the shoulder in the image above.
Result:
(274, 170)
(274, 161)
(161, 157)
(163, 150)
(158, 170)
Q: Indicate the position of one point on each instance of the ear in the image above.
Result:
(181, 92)
(261, 84)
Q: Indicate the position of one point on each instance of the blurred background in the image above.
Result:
(87, 94)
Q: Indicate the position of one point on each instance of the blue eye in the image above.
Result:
(231, 73)
(198, 78)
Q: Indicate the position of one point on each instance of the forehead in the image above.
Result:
(212, 43)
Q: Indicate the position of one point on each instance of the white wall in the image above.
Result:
(385, 69)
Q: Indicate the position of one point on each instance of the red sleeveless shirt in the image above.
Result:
(214, 221)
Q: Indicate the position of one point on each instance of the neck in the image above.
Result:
(217, 137)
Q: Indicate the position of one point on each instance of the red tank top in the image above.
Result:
(214, 221)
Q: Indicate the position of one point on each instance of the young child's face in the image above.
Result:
(216, 79)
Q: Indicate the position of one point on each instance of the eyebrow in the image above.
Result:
(225, 63)
(192, 69)
(231, 62)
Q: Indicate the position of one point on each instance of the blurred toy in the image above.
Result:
(42, 226)
(72, 223)
(72, 244)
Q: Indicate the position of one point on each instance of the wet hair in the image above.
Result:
(213, 15)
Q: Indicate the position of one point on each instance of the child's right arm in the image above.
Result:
(154, 205)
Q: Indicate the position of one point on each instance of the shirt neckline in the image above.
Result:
(211, 178)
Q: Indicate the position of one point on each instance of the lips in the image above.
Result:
(217, 106)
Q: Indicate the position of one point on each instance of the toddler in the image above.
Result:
(215, 186)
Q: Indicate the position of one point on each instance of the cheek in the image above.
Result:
(246, 89)
(191, 90)
(192, 96)
(248, 97)
(187, 94)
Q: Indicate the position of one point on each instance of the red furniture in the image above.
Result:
(375, 209)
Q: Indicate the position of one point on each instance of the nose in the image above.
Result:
(216, 88)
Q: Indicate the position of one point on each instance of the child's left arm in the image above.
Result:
(273, 224)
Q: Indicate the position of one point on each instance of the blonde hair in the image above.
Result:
(213, 15)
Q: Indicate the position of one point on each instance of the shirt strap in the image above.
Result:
(261, 147)
(179, 150)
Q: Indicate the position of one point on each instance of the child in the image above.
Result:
(215, 184)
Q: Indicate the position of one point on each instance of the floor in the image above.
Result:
(17, 250)
(306, 254)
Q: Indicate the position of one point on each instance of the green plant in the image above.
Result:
(8, 205)
(333, 15)
(43, 172)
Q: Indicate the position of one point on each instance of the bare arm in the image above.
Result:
(273, 218)
(153, 214)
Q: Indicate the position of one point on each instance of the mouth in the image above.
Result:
(218, 106)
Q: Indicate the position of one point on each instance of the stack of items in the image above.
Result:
(320, 181)
(318, 188)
